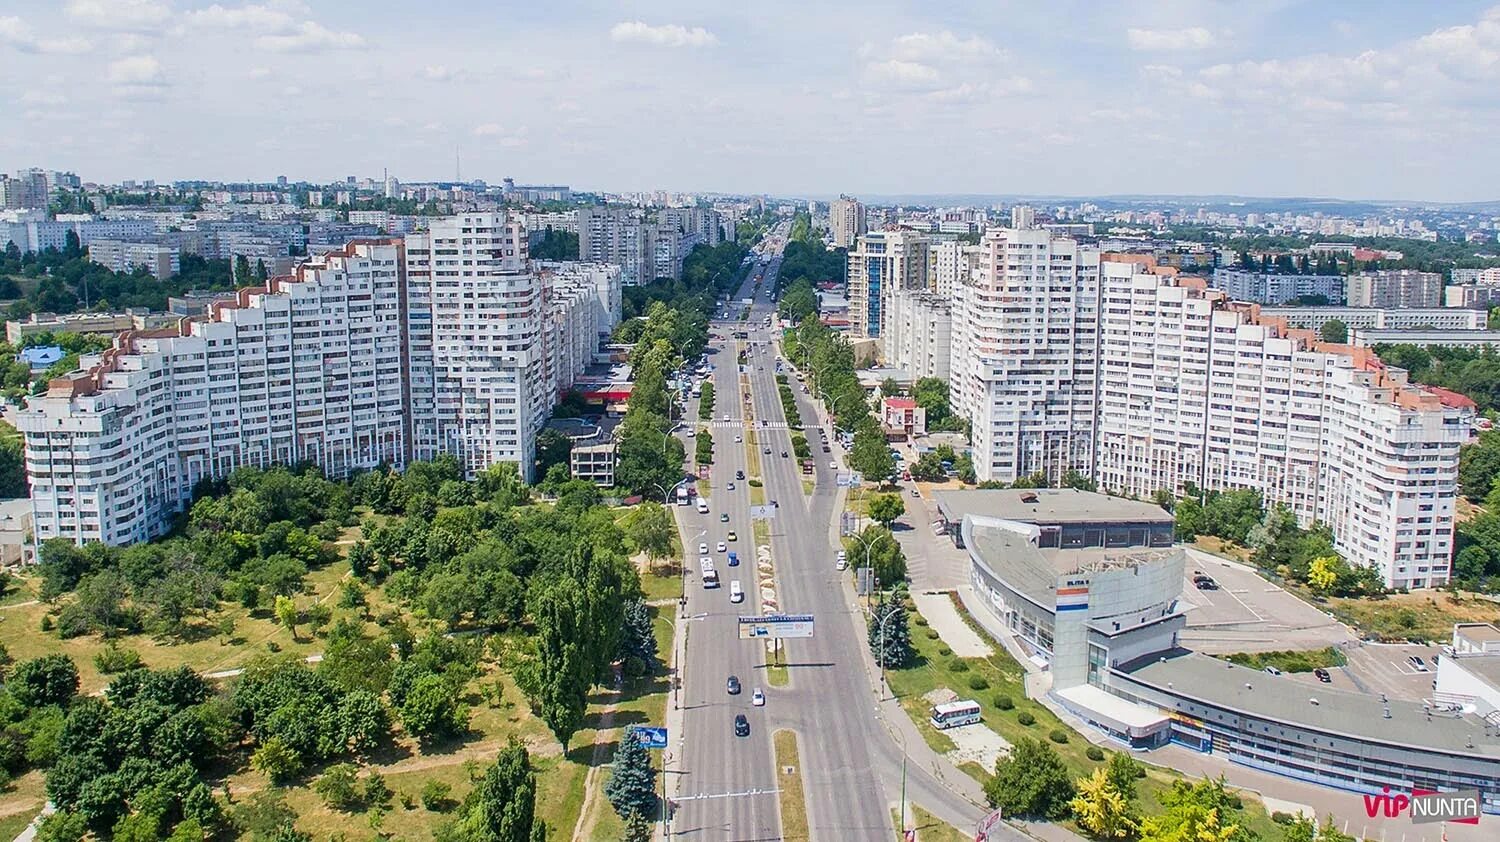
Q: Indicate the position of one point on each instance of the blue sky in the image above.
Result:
(1350, 99)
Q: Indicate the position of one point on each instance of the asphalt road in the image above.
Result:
(851, 766)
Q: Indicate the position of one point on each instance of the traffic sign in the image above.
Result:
(776, 626)
(650, 736)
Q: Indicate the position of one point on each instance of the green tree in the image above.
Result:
(502, 806)
(48, 680)
(559, 678)
(276, 760)
(884, 509)
(890, 635)
(1123, 771)
(338, 786)
(552, 448)
(798, 301)
(871, 456)
(1334, 331)
(286, 614)
(1032, 781)
(632, 782)
(652, 530)
(879, 549)
(431, 708)
(637, 640)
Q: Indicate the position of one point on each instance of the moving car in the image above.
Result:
(1322, 675)
(916, 493)
(758, 698)
(723, 517)
(721, 547)
(841, 564)
(1270, 670)
(731, 535)
(729, 487)
(736, 593)
(726, 417)
(736, 439)
(832, 466)
(783, 454)
(741, 726)
(732, 684)
(739, 474)
(766, 451)
(702, 549)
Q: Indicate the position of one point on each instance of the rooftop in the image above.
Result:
(1287, 700)
(1047, 505)
(1032, 571)
(1478, 632)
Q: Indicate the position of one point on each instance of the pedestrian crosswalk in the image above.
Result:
(739, 424)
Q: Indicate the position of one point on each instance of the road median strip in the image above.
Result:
(794, 825)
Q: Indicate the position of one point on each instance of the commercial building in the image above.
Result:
(879, 264)
(1025, 354)
(1361, 318)
(919, 337)
(449, 342)
(1279, 289)
(1195, 389)
(1090, 585)
(846, 221)
(159, 261)
(1395, 288)
(16, 330)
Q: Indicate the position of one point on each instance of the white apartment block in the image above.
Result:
(310, 370)
(1395, 288)
(1277, 289)
(948, 260)
(557, 221)
(846, 221)
(1196, 389)
(475, 311)
(879, 264)
(1490, 276)
(1363, 318)
(382, 352)
(160, 261)
(1025, 354)
(920, 334)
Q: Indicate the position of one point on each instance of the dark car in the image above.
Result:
(783, 454)
(733, 685)
(1322, 675)
(739, 474)
(741, 726)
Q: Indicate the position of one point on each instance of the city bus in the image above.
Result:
(953, 714)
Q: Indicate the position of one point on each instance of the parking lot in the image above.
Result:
(1247, 613)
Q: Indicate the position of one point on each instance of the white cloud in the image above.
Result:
(255, 17)
(135, 70)
(43, 98)
(438, 73)
(905, 74)
(120, 15)
(973, 92)
(17, 33)
(1190, 38)
(309, 35)
(936, 47)
(666, 35)
(501, 136)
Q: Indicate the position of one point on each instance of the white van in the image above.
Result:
(735, 593)
(702, 506)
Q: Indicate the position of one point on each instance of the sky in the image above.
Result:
(1372, 99)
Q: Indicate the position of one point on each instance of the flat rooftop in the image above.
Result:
(1033, 571)
(1479, 632)
(1047, 505)
(1486, 667)
(1284, 699)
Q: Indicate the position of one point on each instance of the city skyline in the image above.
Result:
(1276, 99)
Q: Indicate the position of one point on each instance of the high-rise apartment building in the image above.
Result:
(1395, 288)
(879, 264)
(645, 250)
(26, 190)
(919, 334)
(161, 261)
(1194, 389)
(1025, 354)
(948, 261)
(449, 342)
(846, 221)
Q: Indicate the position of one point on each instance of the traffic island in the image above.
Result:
(793, 803)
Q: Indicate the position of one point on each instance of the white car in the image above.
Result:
(833, 466)
(702, 549)
(841, 564)
(736, 439)
(721, 548)
(691, 432)
(757, 698)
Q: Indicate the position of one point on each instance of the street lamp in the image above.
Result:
(868, 546)
(886, 619)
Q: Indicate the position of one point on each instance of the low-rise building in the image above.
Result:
(1380, 318)
(903, 415)
(160, 261)
(1473, 296)
(1263, 288)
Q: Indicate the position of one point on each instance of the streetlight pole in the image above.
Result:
(868, 546)
(886, 619)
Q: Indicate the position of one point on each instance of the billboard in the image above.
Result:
(776, 626)
(649, 736)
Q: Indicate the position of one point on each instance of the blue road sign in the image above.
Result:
(650, 736)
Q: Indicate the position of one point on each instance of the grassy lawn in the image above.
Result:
(752, 455)
(1290, 660)
(11, 826)
(664, 581)
(793, 802)
(1219, 546)
(1425, 615)
(20, 802)
(929, 828)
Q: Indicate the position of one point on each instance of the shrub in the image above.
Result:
(113, 659)
(1095, 754)
(755, 483)
(1004, 702)
(338, 785)
(1282, 818)
(47, 622)
(977, 682)
(435, 796)
(932, 634)
(919, 620)
(1025, 718)
(1058, 735)
(944, 651)
(958, 665)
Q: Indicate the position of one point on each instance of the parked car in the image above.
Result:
(1322, 675)
(1271, 670)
